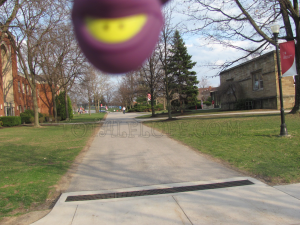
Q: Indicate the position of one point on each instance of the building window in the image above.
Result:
(9, 109)
(258, 83)
(20, 108)
(19, 87)
(23, 87)
(26, 88)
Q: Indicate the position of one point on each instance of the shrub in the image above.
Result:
(30, 113)
(1, 123)
(9, 121)
(42, 119)
(26, 119)
(159, 107)
(27, 112)
(31, 119)
(207, 103)
(194, 106)
(61, 108)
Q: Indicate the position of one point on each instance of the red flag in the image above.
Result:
(288, 59)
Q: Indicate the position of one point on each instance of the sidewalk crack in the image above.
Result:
(182, 209)
(74, 215)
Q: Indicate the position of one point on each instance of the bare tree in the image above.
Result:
(6, 79)
(230, 22)
(230, 91)
(8, 11)
(109, 94)
(86, 83)
(152, 76)
(129, 87)
(92, 87)
(203, 83)
(61, 61)
(99, 87)
(164, 52)
(34, 19)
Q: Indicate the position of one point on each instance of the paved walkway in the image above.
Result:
(127, 158)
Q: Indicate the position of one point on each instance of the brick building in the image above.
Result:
(205, 93)
(258, 82)
(15, 91)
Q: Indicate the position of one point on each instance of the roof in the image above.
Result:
(244, 63)
(209, 89)
(38, 78)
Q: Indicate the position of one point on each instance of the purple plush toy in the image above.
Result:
(117, 36)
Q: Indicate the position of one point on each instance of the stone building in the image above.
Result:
(256, 81)
(15, 91)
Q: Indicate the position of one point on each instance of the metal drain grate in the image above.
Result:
(158, 191)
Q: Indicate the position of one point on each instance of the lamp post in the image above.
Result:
(283, 130)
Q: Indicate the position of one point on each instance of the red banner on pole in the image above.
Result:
(288, 59)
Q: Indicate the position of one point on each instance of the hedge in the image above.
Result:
(29, 112)
(26, 119)
(207, 103)
(9, 121)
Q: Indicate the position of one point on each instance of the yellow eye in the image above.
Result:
(117, 30)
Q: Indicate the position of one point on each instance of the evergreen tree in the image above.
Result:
(184, 81)
(60, 104)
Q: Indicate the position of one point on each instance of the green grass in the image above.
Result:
(112, 109)
(164, 113)
(251, 143)
(32, 160)
(86, 118)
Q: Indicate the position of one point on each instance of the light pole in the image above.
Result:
(283, 130)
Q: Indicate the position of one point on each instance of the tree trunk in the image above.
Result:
(167, 93)
(169, 108)
(89, 106)
(89, 99)
(297, 80)
(181, 108)
(98, 109)
(66, 106)
(152, 103)
(54, 106)
(35, 107)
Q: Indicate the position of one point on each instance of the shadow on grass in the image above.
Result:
(216, 117)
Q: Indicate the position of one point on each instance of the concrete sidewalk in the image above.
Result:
(127, 157)
(252, 204)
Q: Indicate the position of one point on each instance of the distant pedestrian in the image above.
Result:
(213, 103)
(124, 109)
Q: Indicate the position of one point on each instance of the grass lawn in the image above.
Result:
(32, 161)
(83, 118)
(251, 143)
(164, 113)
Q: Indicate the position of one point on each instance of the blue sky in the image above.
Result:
(207, 53)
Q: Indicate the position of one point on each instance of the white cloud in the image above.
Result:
(189, 45)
